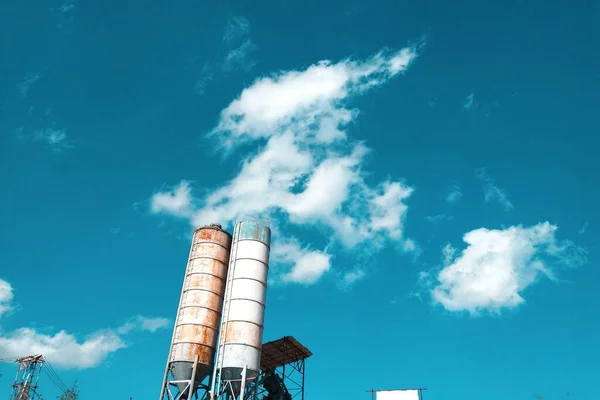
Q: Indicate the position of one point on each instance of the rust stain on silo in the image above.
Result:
(198, 316)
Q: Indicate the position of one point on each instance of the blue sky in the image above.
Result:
(430, 171)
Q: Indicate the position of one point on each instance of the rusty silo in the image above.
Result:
(241, 332)
(197, 324)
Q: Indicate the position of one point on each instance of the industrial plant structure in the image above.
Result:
(216, 351)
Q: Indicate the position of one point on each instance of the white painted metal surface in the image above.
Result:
(397, 395)
(244, 304)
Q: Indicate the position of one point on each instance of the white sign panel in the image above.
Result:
(397, 395)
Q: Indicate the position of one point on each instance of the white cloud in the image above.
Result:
(498, 265)
(454, 195)
(6, 296)
(493, 192)
(144, 323)
(153, 324)
(64, 349)
(352, 277)
(307, 169)
(303, 265)
(176, 201)
(309, 101)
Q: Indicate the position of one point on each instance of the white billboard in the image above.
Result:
(412, 394)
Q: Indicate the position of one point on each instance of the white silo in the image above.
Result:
(240, 338)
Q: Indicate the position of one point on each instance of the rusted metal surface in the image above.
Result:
(243, 317)
(198, 316)
(253, 230)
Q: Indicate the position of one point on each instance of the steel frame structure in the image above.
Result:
(292, 376)
(285, 357)
(168, 383)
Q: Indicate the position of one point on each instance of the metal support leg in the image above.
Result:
(243, 387)
(191, 388)
(164, 384)
(303, 370)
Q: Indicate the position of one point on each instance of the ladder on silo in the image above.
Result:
(216, 379)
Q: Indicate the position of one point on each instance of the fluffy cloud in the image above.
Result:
(498, 265)
(64, 349)
(307, 102)
(6, 296)
(307, 266)
(175, 202)
(307, 169)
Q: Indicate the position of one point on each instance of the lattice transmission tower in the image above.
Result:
(25, 386)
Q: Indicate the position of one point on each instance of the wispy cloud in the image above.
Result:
(236, 28)
(67, 6)
(239, 58)
(55, 138)
(27, 83)
(64, 13)
(239, 47)
(236, 36)
(353, 276)
(470, 102)
(206, 75)
(144, 323)
(64, 349)
(492, 272)
(493, 192)
(583, 228)
(309, 172)
(454, 194)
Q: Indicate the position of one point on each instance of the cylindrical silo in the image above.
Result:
(198, 316)
(244, 304)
